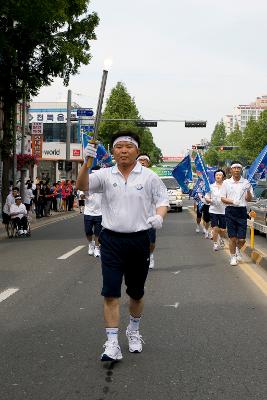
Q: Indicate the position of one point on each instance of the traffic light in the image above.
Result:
(144, 123)
(68, 166)
(227, 147)
(195, 124)
(198, 147)
(60, 165)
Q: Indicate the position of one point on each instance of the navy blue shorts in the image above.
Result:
(204, 213)
(152, 235)
(218, 220)
(124, 255)
(236, 222)
(92, 225)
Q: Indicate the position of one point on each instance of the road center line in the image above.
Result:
(70, 253)
(7, 293)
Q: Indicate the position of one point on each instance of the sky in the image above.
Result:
(185, 60)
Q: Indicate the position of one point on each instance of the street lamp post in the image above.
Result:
(68, 132)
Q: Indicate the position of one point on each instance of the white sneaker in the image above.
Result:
(233, 261)
(238, 255)
(216, 247)
(91, 248)
(210, 235)
(221, 243)
(20, 232)
(112, 351)
(135, 341)
(25, 232)
(97, 251)
(207, 235)
(152, 262)
(197, 229)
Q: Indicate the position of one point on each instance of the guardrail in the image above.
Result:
(256, 225)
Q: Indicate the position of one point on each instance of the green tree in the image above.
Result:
(120, 105)
(212, 155)
(39, 40)
(219, 135)
(254, 137)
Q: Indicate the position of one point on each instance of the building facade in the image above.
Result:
(243, 113)
(48, 124)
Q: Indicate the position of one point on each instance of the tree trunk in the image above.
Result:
(7, 144)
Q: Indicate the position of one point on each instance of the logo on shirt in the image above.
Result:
(139, 186)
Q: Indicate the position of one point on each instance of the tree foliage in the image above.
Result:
(39, 40)
(249, 142)
(120, 105)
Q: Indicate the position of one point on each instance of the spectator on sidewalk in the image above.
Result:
(18, 214)
(9, 201)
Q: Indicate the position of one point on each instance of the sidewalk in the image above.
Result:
(37, 223)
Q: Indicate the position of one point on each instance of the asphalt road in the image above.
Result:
(204, 324)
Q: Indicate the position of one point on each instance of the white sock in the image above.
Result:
(134, 324)
(112, 334)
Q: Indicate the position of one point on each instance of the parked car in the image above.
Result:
(260, 207)
(260, 191)
(174, 193)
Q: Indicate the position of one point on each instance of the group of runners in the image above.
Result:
(224, 209)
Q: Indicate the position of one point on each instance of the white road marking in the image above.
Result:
(70, 253)
(185, 208)
(176, 272)
(7, 293)
(172, 305)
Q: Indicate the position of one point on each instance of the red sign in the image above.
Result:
(76, 152)
(37, 141)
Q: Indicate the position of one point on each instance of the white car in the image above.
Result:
(174, 193)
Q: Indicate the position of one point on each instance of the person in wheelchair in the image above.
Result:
(18, 214)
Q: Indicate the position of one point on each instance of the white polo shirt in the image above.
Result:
(236, 190)
(126, 205)
(21, 209)
(217, 207)
(92, 204)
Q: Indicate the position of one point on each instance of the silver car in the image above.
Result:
(174, 193)
(260, 207)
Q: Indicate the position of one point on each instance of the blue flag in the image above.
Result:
(183, 173)
(258, 169)
(198, 189)
(202, 172)
(210, 173)
(103, 158)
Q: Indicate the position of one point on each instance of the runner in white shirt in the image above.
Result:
(93, 220)
(236, 192)
(129, 192)
(217, 210)
(18, 214)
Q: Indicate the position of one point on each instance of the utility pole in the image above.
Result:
(23, 170)
(68, 133)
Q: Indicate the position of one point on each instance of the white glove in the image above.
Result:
(236, 203)
(155, 221)
(89, 151)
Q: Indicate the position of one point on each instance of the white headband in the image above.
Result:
(125, 139)
(143, 158)
(236, 165)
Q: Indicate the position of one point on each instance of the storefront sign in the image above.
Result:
(57, 151)
(37, 128)
(37, 141)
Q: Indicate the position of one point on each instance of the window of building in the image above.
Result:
(57, 133)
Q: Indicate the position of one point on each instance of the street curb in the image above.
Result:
(255, 255)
